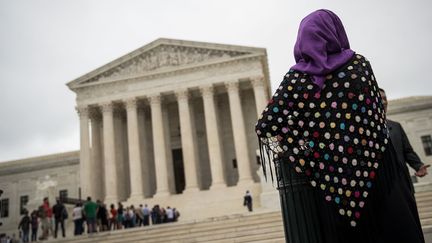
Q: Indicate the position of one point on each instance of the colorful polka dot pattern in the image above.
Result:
(336, 136)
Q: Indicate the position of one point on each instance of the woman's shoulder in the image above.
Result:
(356, 60)
(295, 74)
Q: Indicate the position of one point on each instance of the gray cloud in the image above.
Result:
(44, 44)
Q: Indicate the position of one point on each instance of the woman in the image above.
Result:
(327, 122)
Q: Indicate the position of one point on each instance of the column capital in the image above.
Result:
(155, 99)
(95, 114)
(107, 107)
(207, 91)
(257, 81)
(83, 111)
(131, 103)
(232, 86)
(182, 94)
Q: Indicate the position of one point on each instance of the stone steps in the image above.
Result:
(424, 205)
(426, 215)
(200, 232)
(423, 194)
(262, 227)
(233, 226)
(258, 231)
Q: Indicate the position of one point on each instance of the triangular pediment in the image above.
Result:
(164, 55)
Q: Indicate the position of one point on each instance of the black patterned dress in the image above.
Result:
(337, 138)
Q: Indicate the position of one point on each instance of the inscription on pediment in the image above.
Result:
(163, 57)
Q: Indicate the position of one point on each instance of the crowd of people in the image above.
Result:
(90, 217)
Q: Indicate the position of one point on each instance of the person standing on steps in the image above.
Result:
(247, 201)
(404, 151)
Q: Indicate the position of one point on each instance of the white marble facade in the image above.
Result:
(171, 117)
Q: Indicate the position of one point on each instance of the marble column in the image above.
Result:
(85, 156)
(111, 192)
(239, 133)
(189, 147)
(96, 151)
(159, 147)
(121, 145)
(135, 168)
(260, 94)
(213, 140)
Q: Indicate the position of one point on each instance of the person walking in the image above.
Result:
(247, 201)
(326, 122)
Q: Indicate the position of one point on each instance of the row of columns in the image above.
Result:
(188, 141)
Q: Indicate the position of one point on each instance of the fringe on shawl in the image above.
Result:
(266, 158)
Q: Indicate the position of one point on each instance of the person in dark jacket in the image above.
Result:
(34, 225)
(59, 212)
(102, 216)
(247, 201)
(404, 151)
(24, 226)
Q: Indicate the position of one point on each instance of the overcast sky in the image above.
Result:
(46, 43)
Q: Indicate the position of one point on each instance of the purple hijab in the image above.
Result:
(322, 45)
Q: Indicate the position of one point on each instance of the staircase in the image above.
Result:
(424, 204)
(249, 227)
(253, 227)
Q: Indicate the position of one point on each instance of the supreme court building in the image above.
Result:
(172, 118)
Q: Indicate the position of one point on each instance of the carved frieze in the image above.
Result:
(113, 88)
(164, 56)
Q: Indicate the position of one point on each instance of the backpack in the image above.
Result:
(64, 213)
(41, 212)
